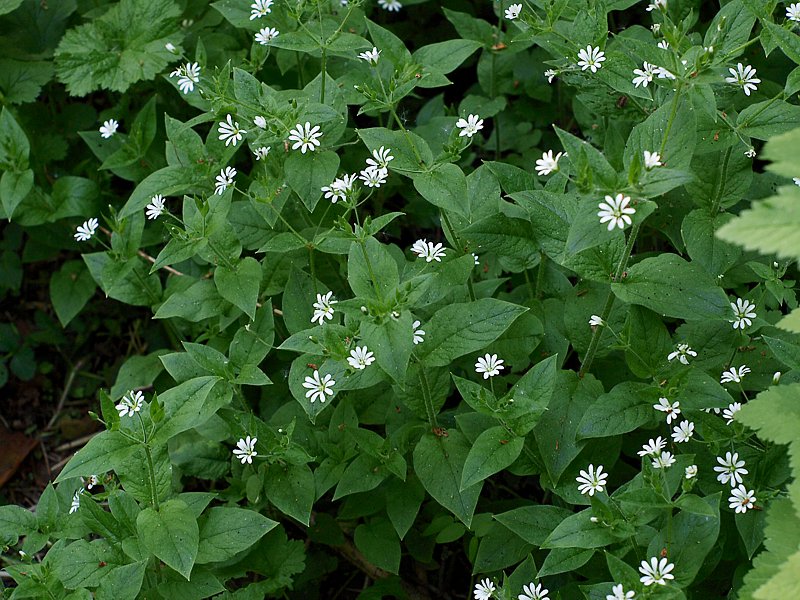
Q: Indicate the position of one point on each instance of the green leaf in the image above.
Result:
(197, 302)
(445, 57)
(577, 531)
(15, 522)
(169, 181)
(371, 270)
(123, 582)
(649, 135)
(226, 531)
(291, 489)
(444, 186)
(403, 500)
(733, 24)
(439, 462)
(307, 173)
(76, 564)
(254, 341)
(14, 146)
(190, 404)
(764, 120)
(628, 406)
(7, 6)
(104, 452)
(533, 523)
(171, 533)
(70, 290)
(240, 285)
(459, 329)
(511, 239)
(392, 343)
(379, 544)
(704, 248)
(402, 146)
(493, 451)
(787, 39)
(14, 186)
(121, 47)
(499, 550)
(672, 287)
(564, 560)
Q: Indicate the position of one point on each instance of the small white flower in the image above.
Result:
(657, 5)
(616, 212)
(683, 432)
(793, 12)
(91, 481)
(530, 591)
(653, 447)
(550, 74)
(750, 152)
(663, 44)
(592, 481)
(734, 375)
(655, 27)
(548, 163)
(187, 75)
(743, 312)
(731, 470)
(339, 189)
(381, 158)
(108, 128)
(651, 160)
(596, 321)
(690, 471)
(360, 358)
(663, 73)
(262, 152)
(656, 571)
(371, 56)
(745, 77)
(741, 499)
(729, 413)
(390, 5)
(484, 589)
(260, 122)
(156, 207)
(663, 461)
(672, 410)
(644, 75)
(265, 35)
(512, 12)
(469, 126)
(170, 47)
(489, 365)
(76, 501)
(619, 593)
(477, 260)
(246, 449)
(591, 58)
(224, 180)
(317, 388)
(305, 137)
(682, 352)
(230, 131)
(373, 176)
(85, 231)
(260, 8)
(322, 308)
(130, 404)
(419, 334)
(428, 250)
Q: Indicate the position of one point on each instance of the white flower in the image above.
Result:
(682, 352)
(672, 410)
(428, 250)
(690, 471)
(266, 34)
(730, 412)
(360, 358)
(619, 593)
(745, 77)
(390, 5)
(224, 180)
(489, 365)
(130, 404)
(663, 44)
(651, 160)
(322, 307)
(477, 260)
(305, 137)
(419, 334)
(512, 12)
(373, 176)
(371, 56)
(170, 47)
(246, 449)
(530, 591)
(591, 58)
(260, 122)
(91, 481)
(187, 75)
(644, 75)
(76, 501)
(262, 152)
(596, 321)
(663, 460)
(230, 131)
(653, 447)
(108, 128)
(793, 12)
(469, 126)
(259, 8)
(156, 207)
(592, 481)
(656, 27)
(741, 499)
(548, 163)
(744, 311)
(85, 231)
(683, 432)
(656, 571)
(381, 158)
(750, 152)
(731, 470)
(663, 73)
(484, 589)
(550, 74)
(733, 375)
(656, 5)
(317, 388)
(776, 377)
(339, 189)
(615, 211)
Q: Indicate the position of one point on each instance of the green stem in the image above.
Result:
(426, 397)
(446, 222)
(540, 274)
(721, 182)
(324, 75)
(673, 112)
(152, 473)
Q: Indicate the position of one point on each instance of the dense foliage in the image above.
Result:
(539, 345)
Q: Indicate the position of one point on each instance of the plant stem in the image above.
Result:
(449, 225)
(426, 397)
(673, 112)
